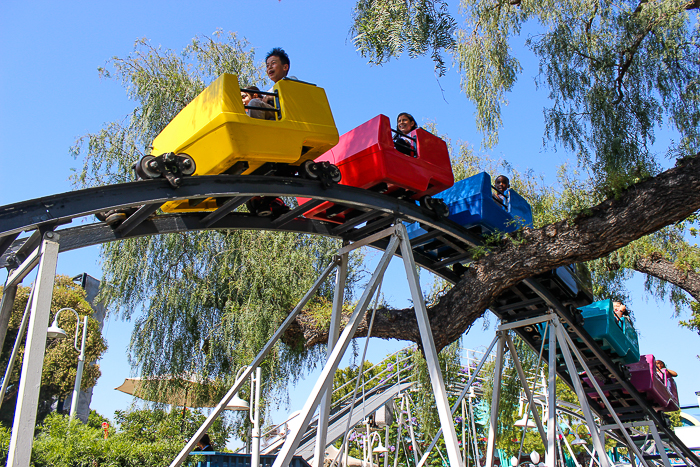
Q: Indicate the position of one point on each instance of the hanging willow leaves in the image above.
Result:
(203, 303)
(616, 72)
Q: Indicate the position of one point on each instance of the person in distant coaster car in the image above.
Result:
(502, 184)
(620, 310)
(253, 99)
(204, 443)
(660, 365)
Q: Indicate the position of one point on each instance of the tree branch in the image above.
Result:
(665, 270)
(640, 210)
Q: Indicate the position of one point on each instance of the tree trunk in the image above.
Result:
(638, 211)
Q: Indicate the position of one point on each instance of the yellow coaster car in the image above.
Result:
(218, 136)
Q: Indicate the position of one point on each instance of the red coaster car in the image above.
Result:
(369, 158)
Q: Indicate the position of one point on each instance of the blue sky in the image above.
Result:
(50, 94)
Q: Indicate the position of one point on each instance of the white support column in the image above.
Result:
(431, 355)
(659, 445)
(473, 433)
(333, 331)
(30, 379)
(495, 397)
(286, 453)
(399, 429)
(578, 387)
(567, 342)
(411, 432)
(551, 455)
(255, 452)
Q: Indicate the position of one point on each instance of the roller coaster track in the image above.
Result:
(449, 241)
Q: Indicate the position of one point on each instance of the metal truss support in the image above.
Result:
(526, 388)
(568, 348)
(496, 396)
(551, 457)
(461, 397)
(654, 434)
(15, 349)
(286, 453)
(22, 438)
(182, 456)
(431, 355)
(325, 406)
(578, 388)
(8, 300)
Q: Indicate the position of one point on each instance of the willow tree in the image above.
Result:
(616, 73)
(203, 303)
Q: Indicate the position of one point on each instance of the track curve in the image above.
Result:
(532, 297)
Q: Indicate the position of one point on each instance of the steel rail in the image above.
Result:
(64, 207)
(52, 211)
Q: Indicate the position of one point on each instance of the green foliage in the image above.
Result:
(61, 360)
(203, 302)
(5, 435)
(384, 29)
(144, 437)
(616, 72)
(153, 426)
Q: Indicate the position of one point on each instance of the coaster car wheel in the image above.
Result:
(334, 173)
(327, 172)
(438, 206)
(186, 164)
(258, 207)
(147, 167)
(309, 169)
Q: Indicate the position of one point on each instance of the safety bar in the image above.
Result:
(498, 200)
(402, 145)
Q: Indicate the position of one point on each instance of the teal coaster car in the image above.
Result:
(616, 336)
(613, 334)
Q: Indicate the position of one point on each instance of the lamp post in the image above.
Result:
(253, 412)
(380, 449)
(58, 333)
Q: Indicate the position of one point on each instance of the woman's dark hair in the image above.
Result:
(251, 90)
(410, 117)
(205, 439)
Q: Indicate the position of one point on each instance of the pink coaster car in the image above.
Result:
(658, 386)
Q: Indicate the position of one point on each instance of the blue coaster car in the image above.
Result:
(471, 204)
